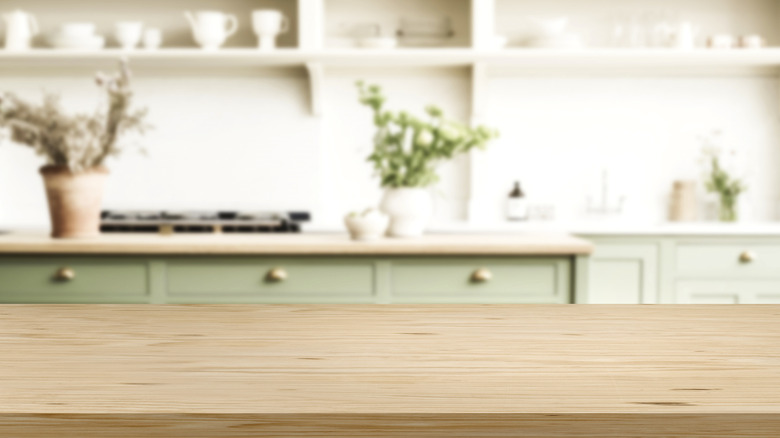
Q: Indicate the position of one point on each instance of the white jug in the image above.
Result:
(211, 28)
(20, 28)
(684, 35)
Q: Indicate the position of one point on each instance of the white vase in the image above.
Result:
(409, 209)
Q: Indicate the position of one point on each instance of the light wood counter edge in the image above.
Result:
(301, 244)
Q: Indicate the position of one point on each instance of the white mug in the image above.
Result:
(722, 41)
(752, 42)
(152, 38)
(128, 33)
(268, 24)
(212, 28)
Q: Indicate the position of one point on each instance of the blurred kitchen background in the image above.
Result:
(590, 97)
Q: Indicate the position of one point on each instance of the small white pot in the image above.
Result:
(366, 227)
(410, 210)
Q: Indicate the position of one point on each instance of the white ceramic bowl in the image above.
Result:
(77, 30)
(94, 42)
(367, 227)
(549, 27)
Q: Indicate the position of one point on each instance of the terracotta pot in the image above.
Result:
(74, 200)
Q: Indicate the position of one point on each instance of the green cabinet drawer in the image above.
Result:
(451, 281)
(738, 260)
(238, 280)
(34, 280)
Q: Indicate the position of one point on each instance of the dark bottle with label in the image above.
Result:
(517, 205)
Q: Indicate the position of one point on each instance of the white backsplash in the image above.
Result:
(244, 141)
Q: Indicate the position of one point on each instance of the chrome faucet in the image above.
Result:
(604, 207)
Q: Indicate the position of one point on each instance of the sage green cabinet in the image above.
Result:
(511, 281)
(248, 279)
(623, 273)
(684, 269)
(728, 292)
(94, 280)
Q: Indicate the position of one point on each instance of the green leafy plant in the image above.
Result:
(77, 141)
(717, 180)
(407, 149)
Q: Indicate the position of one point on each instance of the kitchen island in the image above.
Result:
(389, 371)
(293, 268)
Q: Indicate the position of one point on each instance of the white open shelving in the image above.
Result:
(642, 62)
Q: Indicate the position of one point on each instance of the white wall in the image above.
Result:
(249, 142)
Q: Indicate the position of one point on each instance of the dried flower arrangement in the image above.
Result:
(407, 149)
(77, 142)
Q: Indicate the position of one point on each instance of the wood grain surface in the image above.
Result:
(382, 371)
(300, 244)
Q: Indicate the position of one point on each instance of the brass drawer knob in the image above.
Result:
(747, 257)
(481, 275)
(276, 275)
(65, 274)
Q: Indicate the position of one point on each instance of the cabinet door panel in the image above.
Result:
(246, 280)
(724, 260)
(34, 280)
(512, 281)
(623, 274)
(728, 292)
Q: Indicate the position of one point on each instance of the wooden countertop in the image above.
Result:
(368, 371)
(298, 244)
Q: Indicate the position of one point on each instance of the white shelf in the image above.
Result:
(482, 63)
(516, 60)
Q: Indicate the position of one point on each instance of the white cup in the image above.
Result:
(722, 41)
(268, 24)
(77, 30)
(752, 42)
(152, 38)
(128, 33)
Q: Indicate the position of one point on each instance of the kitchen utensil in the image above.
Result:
(684, 35)
(721, 41)
(378, 42)
(211, 29)
(128, 33)
(77, 36)
(498, 42)
(94, 42)
(269, 24)
(20, 28)
(77, 30)
(152, 38)
(425, 31)
(752, 42)
(684, 205)
(369, 225)
(548, 27)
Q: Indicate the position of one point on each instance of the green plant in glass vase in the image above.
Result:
(719, 181)
(407, 150)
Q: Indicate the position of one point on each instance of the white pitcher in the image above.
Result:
(20, 28)
(211, 28)
(684, 36)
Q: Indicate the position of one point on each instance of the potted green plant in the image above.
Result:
(718, 180)
(75, 147)
(406, 152)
